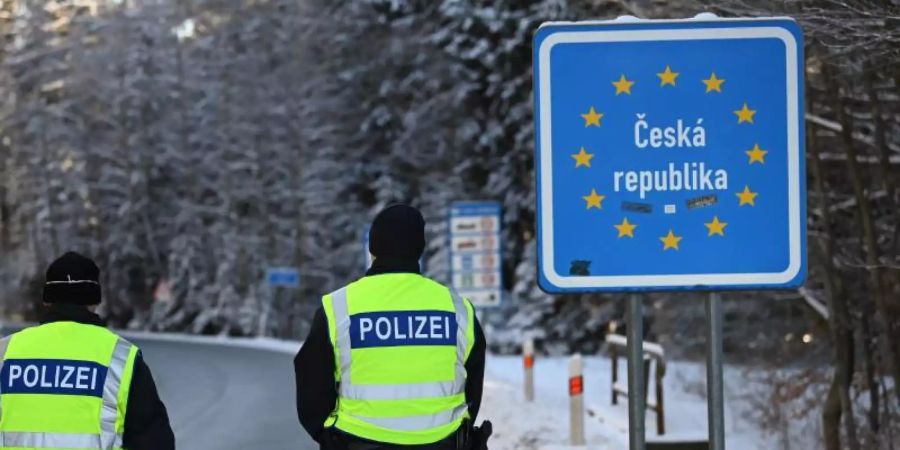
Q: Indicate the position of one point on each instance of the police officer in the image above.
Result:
(393, 359)
(70, 383)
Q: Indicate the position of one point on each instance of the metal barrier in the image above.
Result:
(618, 344)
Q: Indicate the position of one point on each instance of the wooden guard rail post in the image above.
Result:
(616, 345)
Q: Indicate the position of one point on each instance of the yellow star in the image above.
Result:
(670, 241)
(713, 83)
(716, 227)
(592, 118)
(745, 114)
(625, 228)
(667, 77)
(623, 85)
(594, 200)
(757, 154)
(747, 197)
(582, 158)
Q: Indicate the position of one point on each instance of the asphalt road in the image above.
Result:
(227, 398)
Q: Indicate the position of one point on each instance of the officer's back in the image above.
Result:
(70, 382)
(393, 359)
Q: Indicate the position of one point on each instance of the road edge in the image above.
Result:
(267, 344)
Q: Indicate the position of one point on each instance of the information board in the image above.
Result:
(475, 251)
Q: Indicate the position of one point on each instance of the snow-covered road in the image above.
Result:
(226, 397)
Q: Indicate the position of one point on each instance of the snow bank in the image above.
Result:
(544, 424)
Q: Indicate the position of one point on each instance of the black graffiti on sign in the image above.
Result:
(644, 208)
(580, 268)
(702, 202)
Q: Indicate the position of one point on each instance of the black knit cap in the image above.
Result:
(398, 233)
(73, 279)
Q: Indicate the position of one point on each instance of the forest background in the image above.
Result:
(193, 144)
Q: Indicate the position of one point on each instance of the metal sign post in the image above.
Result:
(669, 157)
(636, 389)
(714, 381)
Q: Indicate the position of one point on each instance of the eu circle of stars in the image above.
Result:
(714, 84)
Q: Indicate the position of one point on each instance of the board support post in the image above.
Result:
(714, 379)
(636, 388)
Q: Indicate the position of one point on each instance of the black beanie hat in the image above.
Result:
(72, 279)
(398, 233)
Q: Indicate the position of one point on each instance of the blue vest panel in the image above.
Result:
(400, 328)
(52, 376)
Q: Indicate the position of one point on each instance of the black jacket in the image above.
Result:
(317, 387)
(146, 421)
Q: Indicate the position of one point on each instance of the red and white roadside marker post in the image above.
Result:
(528, 362)
(576, 400)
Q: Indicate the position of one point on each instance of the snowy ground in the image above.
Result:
(544, 424)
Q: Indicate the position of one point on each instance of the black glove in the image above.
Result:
(480, 436)
(326, 440)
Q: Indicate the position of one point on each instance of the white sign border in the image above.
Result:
(684, 280)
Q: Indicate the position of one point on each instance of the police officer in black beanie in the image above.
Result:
(71, 293)
(72, 280)
(397, 241)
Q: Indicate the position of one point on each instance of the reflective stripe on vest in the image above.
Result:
(398, 391)
(108, 438)
(52, 440)
(4, 344)
(417, 423)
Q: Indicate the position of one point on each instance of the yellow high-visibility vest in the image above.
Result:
(64, 385)
(400, 342)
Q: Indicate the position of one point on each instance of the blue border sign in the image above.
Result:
(475, 264)
(670, 155)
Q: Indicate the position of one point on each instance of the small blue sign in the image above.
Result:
(283, 276)
(670, 155)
